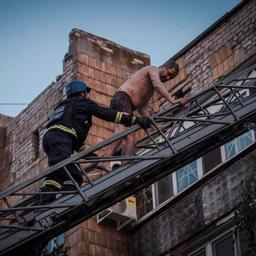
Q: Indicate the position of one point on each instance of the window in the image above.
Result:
(54, 244)
(144, 202)
(236, 145)
(224, 246)
(164, 189)
(187, 175)
(211, 160)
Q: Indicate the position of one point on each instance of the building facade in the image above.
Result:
(186, 213)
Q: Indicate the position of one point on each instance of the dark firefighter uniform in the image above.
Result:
(66, 132)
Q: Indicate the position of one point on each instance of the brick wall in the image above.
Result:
(89, 238)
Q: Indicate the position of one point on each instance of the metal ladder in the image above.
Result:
(178, 136)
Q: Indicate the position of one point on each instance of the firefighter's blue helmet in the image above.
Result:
(76, 86)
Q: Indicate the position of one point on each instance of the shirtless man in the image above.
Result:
(135, 94)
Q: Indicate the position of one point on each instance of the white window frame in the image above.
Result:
(154, 197)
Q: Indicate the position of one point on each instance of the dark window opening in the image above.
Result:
(224, 246)
(211, 160)
(35, 145)
(164, 189)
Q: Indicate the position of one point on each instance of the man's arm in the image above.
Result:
(154, 74)
(151, 108)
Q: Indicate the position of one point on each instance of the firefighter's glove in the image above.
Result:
(144, 121)
(82, 148)
(128, 120)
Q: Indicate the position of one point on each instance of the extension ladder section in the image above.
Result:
(178, 136)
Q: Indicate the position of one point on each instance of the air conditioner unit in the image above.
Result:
(121, 213)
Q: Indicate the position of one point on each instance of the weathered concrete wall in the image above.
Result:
(194, 212)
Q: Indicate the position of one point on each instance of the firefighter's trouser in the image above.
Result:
(59, 146)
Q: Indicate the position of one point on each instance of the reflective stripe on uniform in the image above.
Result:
(69, 182)
(52, 183)
(118, 117)
(63, 128)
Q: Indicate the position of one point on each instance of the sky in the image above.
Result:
(34, 35)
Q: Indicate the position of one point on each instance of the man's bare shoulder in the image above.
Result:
(151, 68)
(146, 70)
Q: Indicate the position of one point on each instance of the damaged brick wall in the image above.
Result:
(104, 65)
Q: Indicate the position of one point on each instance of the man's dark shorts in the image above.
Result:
(121, 101)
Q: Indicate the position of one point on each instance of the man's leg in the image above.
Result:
(128, 147)
(120, 102)
(111, 148)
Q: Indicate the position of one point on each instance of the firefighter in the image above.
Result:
(67, 130)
